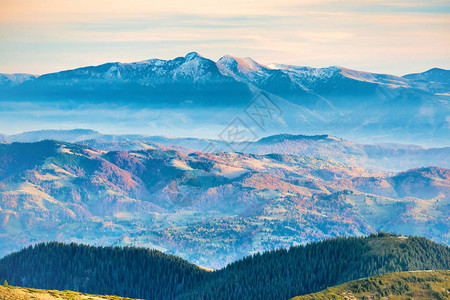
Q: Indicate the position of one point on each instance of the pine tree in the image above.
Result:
(281, 274)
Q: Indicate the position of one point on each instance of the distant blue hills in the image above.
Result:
(387, 157)
(201, 96)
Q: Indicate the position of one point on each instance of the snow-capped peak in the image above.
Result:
(192, 55)
(243, 65)
(15, 78)
(273, 66)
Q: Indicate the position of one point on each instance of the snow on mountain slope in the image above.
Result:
(244, 68)
(191, 79)
(192, 67)
(391, 80)
(10, 80)
(311, 74)
(329, 90)
(205, 94)
(278, 82)
(307, 72)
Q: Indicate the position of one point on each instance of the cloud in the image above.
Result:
(376, 35)
(87, 10)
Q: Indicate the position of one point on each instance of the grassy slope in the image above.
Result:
(19, 293)
(402, 285)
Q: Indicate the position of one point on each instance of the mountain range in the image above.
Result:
(232, 165)
(195, 94)
(209, 208)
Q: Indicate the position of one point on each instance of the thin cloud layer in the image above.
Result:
(381, 36)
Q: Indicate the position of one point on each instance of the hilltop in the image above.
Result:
(404, 285)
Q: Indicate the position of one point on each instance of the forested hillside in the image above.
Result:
(300, 270)
(124, 271)
(280, 274)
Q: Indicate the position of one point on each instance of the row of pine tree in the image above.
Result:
(280, 274)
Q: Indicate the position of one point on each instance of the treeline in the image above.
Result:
(280, 274)
(286, 273)
(124, 271)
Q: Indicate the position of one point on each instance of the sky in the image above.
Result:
(395, 37)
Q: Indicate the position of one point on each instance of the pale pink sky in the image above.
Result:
(396, 37)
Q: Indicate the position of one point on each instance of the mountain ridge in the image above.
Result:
(205, 94)
(242, 62)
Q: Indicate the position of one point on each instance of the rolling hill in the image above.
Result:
(405, 285)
